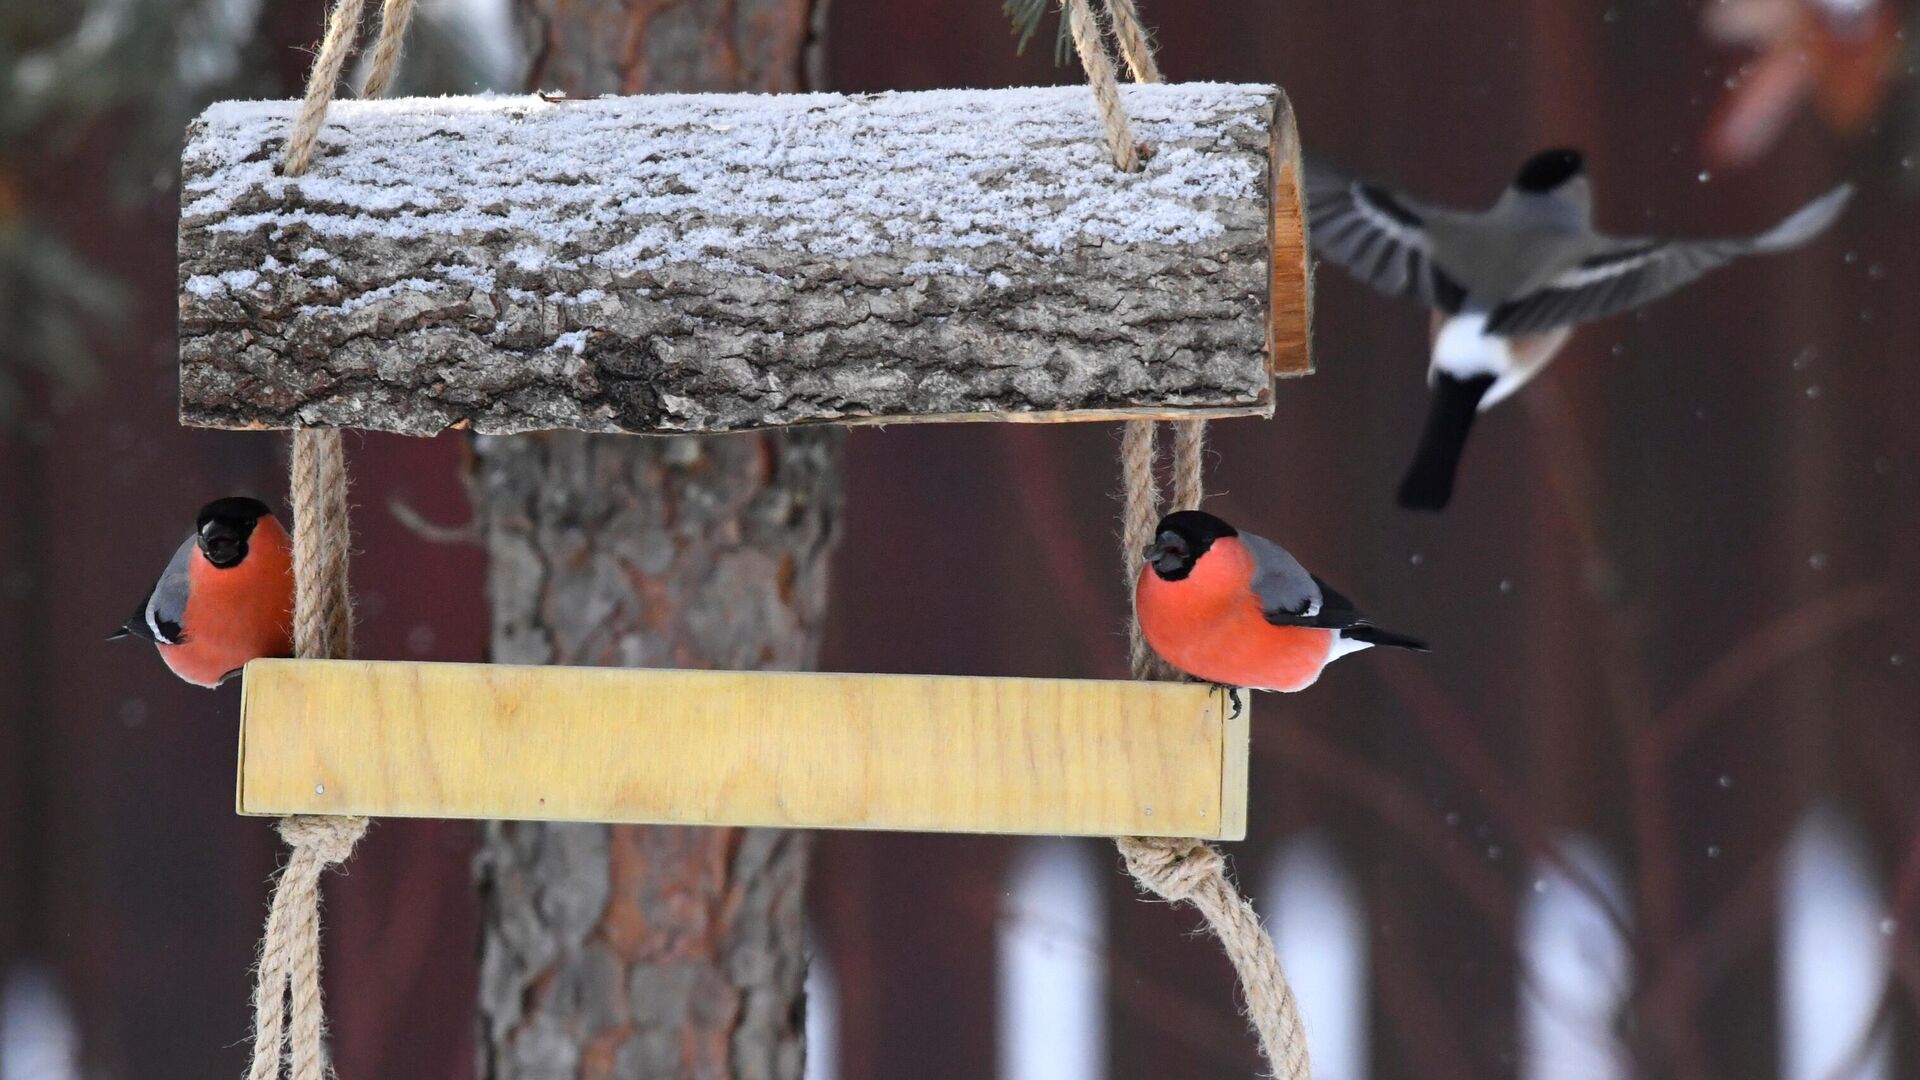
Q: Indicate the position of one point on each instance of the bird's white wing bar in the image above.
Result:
(1634, 272)
(1378, 235)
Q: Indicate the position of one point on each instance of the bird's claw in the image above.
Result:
(1233, 695)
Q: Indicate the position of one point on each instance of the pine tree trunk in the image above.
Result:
(652, 952)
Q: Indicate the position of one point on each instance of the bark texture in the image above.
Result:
(652, 952)
(725, 262)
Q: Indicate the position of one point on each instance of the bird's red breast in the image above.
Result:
(1209, 625)
(238, 614)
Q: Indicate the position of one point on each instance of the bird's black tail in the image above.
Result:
(1429, 482)
(1373, 635)
(135, 626)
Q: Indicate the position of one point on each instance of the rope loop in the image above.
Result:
(1171, 868)
(327, 840)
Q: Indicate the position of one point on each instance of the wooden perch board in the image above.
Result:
(715, 262)
(801, 750)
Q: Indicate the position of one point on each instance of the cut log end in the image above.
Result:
(706, 263)
(1290, 287)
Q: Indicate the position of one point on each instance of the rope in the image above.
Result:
(1135, 45)
(289, 1015)
(1179, 870)
(394, 17)
(1085, 30)
(290, 951)
(1193, 872)
(327, 63)
(322, 628)
(322, 607)
(1136, 525)
(1189, 463)
(343, 27)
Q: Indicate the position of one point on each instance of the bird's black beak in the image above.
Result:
(1167, 555)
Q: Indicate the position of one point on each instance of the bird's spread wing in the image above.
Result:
(1378, 235)
(1629, 273)
(159, 618)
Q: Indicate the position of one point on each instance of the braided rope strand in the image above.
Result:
(1084, 28)
(1141, 513)
(1136, 46)
(342, 25)
(1189, 463)
(395, 16)
(322, 605)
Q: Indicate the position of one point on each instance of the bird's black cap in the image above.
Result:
(1548, 169)
(1180, 539)
(1195, 525)
(236, 509)
(224, 527)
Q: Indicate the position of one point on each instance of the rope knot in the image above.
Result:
(1174, 869)
(328, 839)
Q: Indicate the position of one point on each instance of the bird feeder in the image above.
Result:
(712, 263)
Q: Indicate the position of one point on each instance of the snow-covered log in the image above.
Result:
(713, 262)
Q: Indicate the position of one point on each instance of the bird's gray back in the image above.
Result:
(1512, 249)
(168, 604)
(1281, 583)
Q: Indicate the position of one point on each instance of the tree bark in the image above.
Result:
(629, 951)
(622, 951)
(728, 262)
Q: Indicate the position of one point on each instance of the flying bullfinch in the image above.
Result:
(1507, 284)
(1235, 609)
(225, 598)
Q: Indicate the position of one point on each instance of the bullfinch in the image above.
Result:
(225, 598)
(1507, 284)
(1235, 609)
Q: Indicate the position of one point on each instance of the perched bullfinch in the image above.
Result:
(225, 598)
(1235, 609)
(1507, 284)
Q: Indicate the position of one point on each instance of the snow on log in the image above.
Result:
(715, 262)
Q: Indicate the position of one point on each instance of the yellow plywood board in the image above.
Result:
(802, 750)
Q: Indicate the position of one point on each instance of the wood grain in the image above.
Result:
(1290, 321)
(905, 752)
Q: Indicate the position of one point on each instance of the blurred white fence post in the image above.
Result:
(1833, 953)
(1576, 970)
(1052, 965)
(1319, 925)
(823, 1013)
